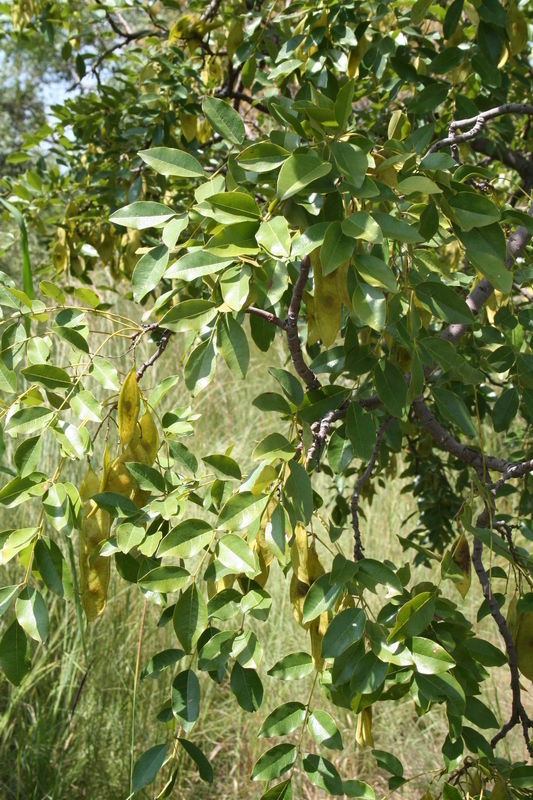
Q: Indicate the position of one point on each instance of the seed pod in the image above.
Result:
(524, 644)
(317, 631)
(149, 437)
(461, 557)
(363, 734)
(95, 527)
(306, 568)
(129, 406)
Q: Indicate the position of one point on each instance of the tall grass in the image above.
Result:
(65, 733)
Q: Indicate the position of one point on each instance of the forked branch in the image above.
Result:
(477, 123)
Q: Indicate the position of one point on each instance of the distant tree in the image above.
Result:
(355, 179)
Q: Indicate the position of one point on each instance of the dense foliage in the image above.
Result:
(354, 179)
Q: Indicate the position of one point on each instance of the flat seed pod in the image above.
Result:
(149, 437)
(95, 527)
(461, 558)
(129, 406)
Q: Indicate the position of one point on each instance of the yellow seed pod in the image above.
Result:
(119, 479)
(317, 630)
(95, 528)
(129, 406)
(149, 437)
(328, 304)
(313, 334)
(512, 619)
(341, 276)
(516, 29)
(235, 38)
(363, 734)
(314, 566)
(461, 557)
(524, 644)
(189, 126)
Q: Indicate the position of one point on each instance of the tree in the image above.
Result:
(353, 179)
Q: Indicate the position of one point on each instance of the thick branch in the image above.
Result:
(358, 547)
(476, 124)
(291, 326)
(518, 713)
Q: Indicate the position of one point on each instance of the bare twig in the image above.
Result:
(320, 431)
(291, 326)
(476, 124)
(358, 547)
(211, 11)
(518, 713)
(158, 353)
(267, 316)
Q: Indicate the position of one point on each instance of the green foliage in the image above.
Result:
(264, 176)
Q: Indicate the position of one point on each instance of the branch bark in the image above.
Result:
(476, 124)
(354, 506)
(291, 326)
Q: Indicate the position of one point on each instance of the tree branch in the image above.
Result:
(354, 506)
(267, 316)
(476, 124)
(291, 326)
(518, 713)
(158, 353)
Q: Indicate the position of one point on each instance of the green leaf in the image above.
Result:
(391, 387)
(196, 264)
(521, 777)
(343, 103)
(263, 157)
(368, 674)
(205, 769)
(361, 431)
(322, 774)
(413, 617)
(27, 455)
(283, 720)
(200, 367)
(443, 302)
(505, 409)
(148, 478)
(397, 229)
(160, 662)
(336, 250)
(321, 597)
(418, 184)
(360, 225)
(32, 613)
(429, 657)
(454, 410)
(56, 504)
(473, 210)
(274, 763)
(148, 271)
(240, 511)
(310, 239)
(165, 579)
(148, 765)
(116, 504)
(272, 447)
(48, 376)
(235, 286)
(247, 687)
(141, 215)
(186, 699)
(169, 161)
(7, 595)
(189, 315)
(478, 713)
(86, 407)
(234, 240)
(351, 162)
(235, 555)
(228, 208)
(190, 617)
(29, 420)
(186, 539)
(298, 488)
(15, 659)
(233, 345)
(274, 236)
(281, 791)
(292, 667)
(450, 792)
(344, 630)
(298, 171)
(324, 731)
(224, 119)
(291, 386)
(370, 305)
(15, 542)
(419, 11)
(375, 272)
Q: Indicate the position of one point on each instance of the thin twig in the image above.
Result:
(354, 506)
(267, 316)
(158, 353)
(518, 713)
